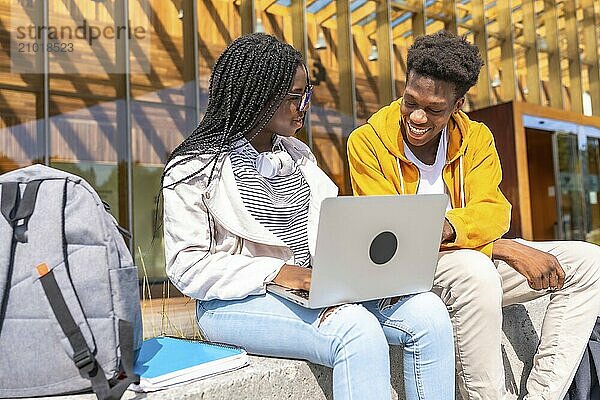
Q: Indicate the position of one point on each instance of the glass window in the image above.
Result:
(87, 110)
(156, 130)
(571, 186)
(21, 139)
(162, 115)
(592, 190)
(166, 72)
(163, 107)
(85, 139)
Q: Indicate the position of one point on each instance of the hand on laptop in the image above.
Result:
(293, 277)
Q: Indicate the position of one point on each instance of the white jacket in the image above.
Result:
(214, 248)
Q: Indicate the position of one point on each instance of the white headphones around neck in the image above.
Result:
(275, 163)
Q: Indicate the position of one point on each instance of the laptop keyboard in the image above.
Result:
(300, 292)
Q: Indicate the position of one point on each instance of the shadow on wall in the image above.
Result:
(159, 121)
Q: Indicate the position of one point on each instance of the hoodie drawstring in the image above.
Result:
(400, 175)
(462, 183)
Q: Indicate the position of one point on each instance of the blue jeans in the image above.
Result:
(353, 340)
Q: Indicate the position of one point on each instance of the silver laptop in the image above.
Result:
(372, 247)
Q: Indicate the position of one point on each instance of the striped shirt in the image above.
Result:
(280, 203)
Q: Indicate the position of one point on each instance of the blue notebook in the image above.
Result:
(167, 361)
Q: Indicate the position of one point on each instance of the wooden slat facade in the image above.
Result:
(98, 117)
(219, 21)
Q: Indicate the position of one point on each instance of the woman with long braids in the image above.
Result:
(241, 197)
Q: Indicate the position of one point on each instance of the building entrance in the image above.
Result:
(564, 167)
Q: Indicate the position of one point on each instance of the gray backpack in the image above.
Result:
(70, 316)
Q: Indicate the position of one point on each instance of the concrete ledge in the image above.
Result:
(522, 326)
(273, 378)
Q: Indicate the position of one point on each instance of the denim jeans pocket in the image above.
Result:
(207, 314)
(211, 306)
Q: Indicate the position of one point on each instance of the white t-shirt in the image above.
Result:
(430, 176)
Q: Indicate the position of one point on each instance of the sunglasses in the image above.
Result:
(303, 98)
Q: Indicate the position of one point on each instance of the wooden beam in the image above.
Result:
(480, 39)
(436, 10)
(278, 9)
(386, 83)
(347, 91)
(190, 60)
(406, 7)
(324, 16)
(401, 60)
(41, 83)
(418, 19)
(507, 52)
(345, 57)
(522, 171)
(371, 28)
(550, 19)
(575, 81)
(299, 35)
(531, 52)
(265, 4)
(364, 11)
(300, 42)
(590, 42)
(450, 12)
(400, 29)
(123, 119)
(326, 12)
(248, 16)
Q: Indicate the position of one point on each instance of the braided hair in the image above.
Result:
(247, 85)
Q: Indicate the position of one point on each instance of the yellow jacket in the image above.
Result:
(480, 213)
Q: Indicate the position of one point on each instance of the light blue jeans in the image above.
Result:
(353, 340)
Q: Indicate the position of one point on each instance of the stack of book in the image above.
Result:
(165, 362)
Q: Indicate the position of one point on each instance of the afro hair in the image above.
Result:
(446, 57)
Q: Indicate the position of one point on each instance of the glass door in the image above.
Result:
(569, 182)
(592, 189)
(564, 179)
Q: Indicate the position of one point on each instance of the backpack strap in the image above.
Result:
(82, 357)
(8, 202)
(15, 208)
(10, 199)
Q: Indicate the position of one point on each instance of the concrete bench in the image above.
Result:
(273, 378)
